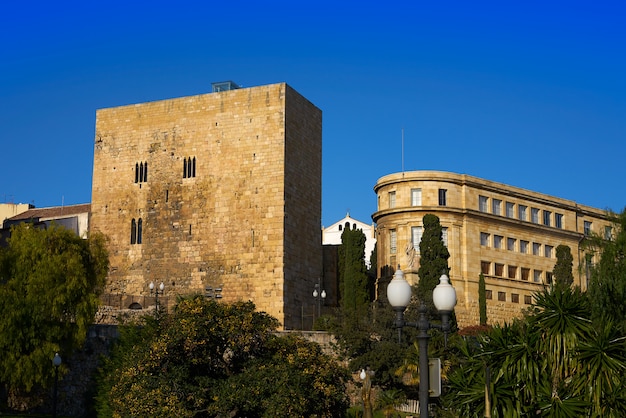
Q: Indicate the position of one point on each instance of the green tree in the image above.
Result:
(482, 300)
(353, 279)
(433, 261)
(554, 362)
(562, 272)
(50, 280)
(208, 359)
(372, 273)
(607, 287)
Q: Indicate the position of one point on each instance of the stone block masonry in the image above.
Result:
(220, 190)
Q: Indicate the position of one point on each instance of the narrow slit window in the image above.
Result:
(139, 230)
(133, 232)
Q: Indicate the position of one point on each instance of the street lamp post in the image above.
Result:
(444, 298)
(56, 362)
(156, 292)
(319, 294)
(366, 377)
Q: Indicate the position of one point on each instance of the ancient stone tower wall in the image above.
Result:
(220, 190)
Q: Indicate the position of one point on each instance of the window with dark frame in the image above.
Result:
(499, 269)
(521, 212)
(525, 273)
(558, 220)
(141, 172)
(510, 210)
(496, 206)
(189, 167)
(442, 197)
(485, 267)
(587, 227)
(136, 231)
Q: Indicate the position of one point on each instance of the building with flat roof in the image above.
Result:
(219, 190)
(506, 233)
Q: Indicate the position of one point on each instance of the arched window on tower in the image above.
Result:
(141, 172)
(189, 167)
(139, 230)
(133, 232)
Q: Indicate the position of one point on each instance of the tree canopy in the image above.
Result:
(562, 272)
(50, 280)
(433, 261)
(554, 362)
(607, 286)
(353, 278)
(209, 359)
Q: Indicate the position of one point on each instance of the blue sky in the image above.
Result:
(531, 94)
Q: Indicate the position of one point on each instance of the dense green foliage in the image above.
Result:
(562, 272)
(372, 272)
(607, 287)
(353, 279)
(482, 300)
(553, 363)
(50, 280)
(208, 359)
(433, 261)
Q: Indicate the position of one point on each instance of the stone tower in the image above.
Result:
(215, 190)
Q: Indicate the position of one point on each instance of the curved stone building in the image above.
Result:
(507, 233)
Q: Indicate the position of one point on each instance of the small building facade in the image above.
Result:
(332, 235)
(73, 217)
(506, 233)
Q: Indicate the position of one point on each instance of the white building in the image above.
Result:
(332, 234)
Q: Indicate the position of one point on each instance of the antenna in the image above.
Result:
(403, 150)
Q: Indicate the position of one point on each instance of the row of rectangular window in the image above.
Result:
(511, 243)
(512, 272)
(416, 197)
(528, 300)
(522, 212)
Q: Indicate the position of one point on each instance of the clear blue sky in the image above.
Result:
(531, 94)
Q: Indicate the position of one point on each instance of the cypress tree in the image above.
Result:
(563, 268)
(352, 272)
(433, 261)
(482, 300)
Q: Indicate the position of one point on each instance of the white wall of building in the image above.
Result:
(332, 234)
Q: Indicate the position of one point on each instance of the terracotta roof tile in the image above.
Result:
(52, 212)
